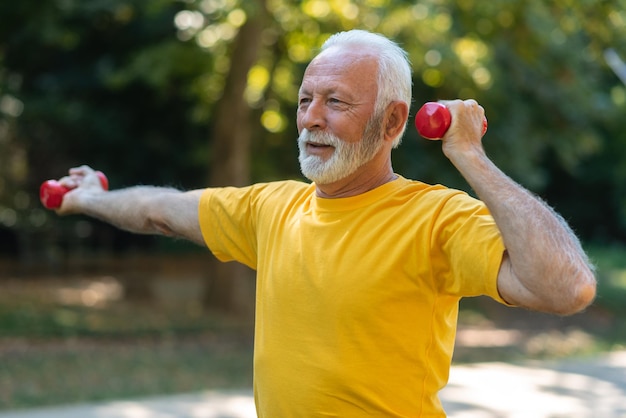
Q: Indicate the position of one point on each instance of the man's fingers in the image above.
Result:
(70, 182)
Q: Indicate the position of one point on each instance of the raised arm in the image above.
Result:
(544, 267)
(140, 209)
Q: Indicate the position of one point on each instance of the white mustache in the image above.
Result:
(321, 138)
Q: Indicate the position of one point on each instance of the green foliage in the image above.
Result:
(102, 83)
(130, 87)
(611, 272)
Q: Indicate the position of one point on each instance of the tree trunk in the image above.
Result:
(231, 289)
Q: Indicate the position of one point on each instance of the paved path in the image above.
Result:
(568, 389)
(593, 388)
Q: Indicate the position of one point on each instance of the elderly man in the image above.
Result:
(360, 272)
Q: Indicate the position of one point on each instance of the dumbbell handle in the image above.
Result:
(51, 192)
(433, 120)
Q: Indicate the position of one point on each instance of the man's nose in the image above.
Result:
(313, 116)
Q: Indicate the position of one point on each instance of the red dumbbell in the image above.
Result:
(51, 192)
(433, 120)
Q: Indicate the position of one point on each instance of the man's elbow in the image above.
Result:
(582, 295)
(586, 294)
(159, 226)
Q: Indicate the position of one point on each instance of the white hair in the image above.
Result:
(394, 68)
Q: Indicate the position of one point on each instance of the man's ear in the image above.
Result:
(396, 117)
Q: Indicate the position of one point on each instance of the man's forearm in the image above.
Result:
(142, 210)
(131, 209)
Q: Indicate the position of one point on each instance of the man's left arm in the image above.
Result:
(544, 267)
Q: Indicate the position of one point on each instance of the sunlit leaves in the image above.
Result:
(471, 52)
(11, 106)
(618, 95)
(316, 8)
(213, 23)
(537, 67)
(273, 120)
(452, 45)
(216, 8)
(617, 18)
(301, 45)
(285, 83)
(323, 9)
(189, 21)
(237, 17)
(258, 79)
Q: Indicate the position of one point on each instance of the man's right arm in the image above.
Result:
(139, 209)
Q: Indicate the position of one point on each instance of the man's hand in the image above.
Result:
(81, 180)
(466, 130)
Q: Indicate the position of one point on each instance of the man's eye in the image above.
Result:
(304, 100)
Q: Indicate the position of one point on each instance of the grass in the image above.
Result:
(92, 370)
(78, 340)
(55, 349)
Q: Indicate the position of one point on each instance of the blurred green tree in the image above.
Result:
(162, 92)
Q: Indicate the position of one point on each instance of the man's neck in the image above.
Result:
(354, 185)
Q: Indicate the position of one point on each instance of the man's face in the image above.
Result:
(338, 132)
(346, 158)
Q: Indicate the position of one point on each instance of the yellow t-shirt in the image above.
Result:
(357, 298)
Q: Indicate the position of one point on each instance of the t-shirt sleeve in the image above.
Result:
(471, 246)
(228, 225)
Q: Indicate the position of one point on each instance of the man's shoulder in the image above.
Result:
(283, 187)
(436, 197)
(282, 192)
(422, 189)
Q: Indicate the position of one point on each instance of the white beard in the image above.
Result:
(346, 158)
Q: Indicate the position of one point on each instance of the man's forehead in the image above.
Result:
(337, 63)
(327, 87)
(343, 57)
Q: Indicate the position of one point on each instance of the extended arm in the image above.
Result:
(140, 209)
(544, 267)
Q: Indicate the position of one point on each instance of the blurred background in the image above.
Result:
(192, 93)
